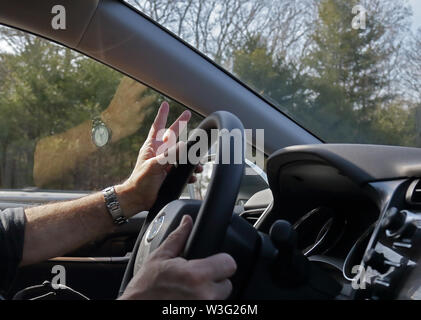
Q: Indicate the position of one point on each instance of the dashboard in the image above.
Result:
(357, 212)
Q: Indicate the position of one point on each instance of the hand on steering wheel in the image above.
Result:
(165, 275)
(212, 215)
(139, 192)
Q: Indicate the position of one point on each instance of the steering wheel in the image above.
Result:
(211, 216)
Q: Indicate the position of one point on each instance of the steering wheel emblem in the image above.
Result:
(155, 227)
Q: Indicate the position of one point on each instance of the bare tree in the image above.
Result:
(217, 27)
(412, 72)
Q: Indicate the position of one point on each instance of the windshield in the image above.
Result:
(347, 70)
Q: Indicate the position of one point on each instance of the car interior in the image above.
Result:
(315, 221)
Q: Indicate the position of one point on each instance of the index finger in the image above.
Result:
(160, 120)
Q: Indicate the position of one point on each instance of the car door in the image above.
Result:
(94, 269)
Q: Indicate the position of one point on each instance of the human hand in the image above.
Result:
(165, 275)
(125, 113)
(140, 190)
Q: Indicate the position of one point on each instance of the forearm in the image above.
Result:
(61, 152)
(55, 229)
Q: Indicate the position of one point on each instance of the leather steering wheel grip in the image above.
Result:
(215, 213)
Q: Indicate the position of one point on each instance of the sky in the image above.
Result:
(416, 19)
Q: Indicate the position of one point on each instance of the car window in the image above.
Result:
(68, 122)
(347, 70)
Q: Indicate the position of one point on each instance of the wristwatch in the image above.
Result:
(113, 206)
(101, 134)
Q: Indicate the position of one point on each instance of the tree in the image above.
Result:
(50, 95)
(345, 86)
(218, 27)
(350, 70)
(272, 76)
(412, 70)
(46, 89)
(412, 80)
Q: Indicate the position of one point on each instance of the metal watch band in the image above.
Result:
(113, 206)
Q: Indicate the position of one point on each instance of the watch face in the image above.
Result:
(100, 135)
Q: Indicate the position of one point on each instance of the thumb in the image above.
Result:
(175, 242)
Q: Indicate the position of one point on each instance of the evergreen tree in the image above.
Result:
(347, 72)
(273, 77)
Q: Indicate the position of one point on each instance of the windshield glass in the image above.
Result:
(347, 70)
